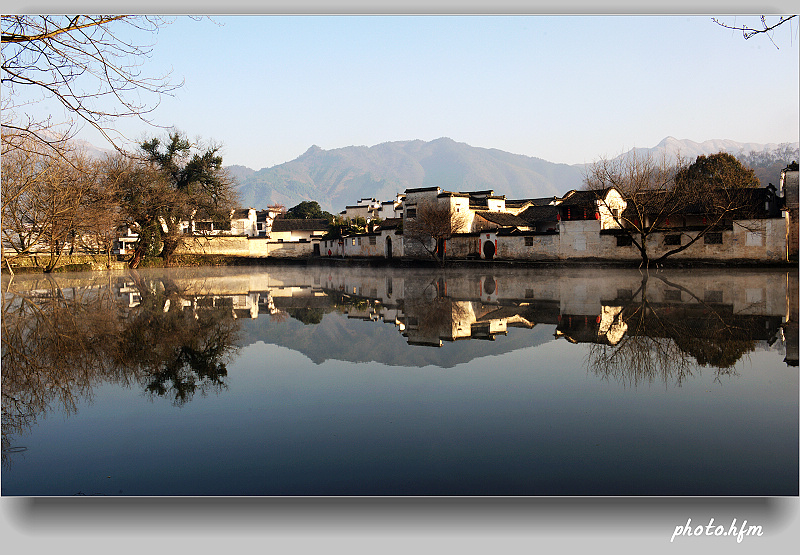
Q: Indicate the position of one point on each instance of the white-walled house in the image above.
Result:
(580, 226)
(290, 230)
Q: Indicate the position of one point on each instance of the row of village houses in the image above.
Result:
(578, 226)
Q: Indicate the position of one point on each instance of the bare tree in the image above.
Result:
(432, 225)
(87, 64)
(646, 186)
(43, 201)
(689, 200)
(101, 215)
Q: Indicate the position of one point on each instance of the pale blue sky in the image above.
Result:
(564, 88)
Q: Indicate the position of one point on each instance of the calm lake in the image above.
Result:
(295, 380)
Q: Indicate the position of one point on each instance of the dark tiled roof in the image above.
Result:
(582, 198)
(502, 218)
(486, 193)
(547, 213)
(391, 223)
(284, 224)
(240, 214)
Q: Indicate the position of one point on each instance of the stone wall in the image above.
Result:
(217, 244)
(529, 247)
(748, 240)
(256, 247)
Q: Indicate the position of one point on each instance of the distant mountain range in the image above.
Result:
(340, 177)
(690, 150)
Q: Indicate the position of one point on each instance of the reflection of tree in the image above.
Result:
(176, 350)
(56, 344)
(306, 315)
(59, 342)
(666, 341)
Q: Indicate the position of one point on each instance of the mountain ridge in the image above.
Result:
(340, 177)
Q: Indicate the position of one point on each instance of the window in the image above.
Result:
(203, 226)
(754, 239)
(615, 213)
(411, 212)
(713, 238)
(529, 293)
(674, 239)
(624, 240)
(672, 295)
(373, 240)
(359, 241)
(528, 241)
(713, 296)
(354, 242)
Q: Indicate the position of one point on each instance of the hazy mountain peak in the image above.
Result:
(313, 149)
(690, 150)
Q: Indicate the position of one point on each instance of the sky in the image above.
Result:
(568, 89)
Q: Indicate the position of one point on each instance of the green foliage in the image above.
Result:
(150, 236)
(341, 227)
(180, 183)
(718, 171)
(308, 210)
(307, 315)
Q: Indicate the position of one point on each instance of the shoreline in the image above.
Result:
(90, 264)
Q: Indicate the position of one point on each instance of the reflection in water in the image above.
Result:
(173, 333)
(62, 338)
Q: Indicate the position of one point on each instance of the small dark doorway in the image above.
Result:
(488, 250)
(316, 249)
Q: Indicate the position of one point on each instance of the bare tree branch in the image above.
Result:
(748, 31)
(86, 64)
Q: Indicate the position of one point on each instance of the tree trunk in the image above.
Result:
(138, 254)
(170, 245)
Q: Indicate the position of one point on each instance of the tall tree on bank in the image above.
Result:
(689, 200)
(176, 183)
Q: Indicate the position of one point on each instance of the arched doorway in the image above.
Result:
(488, 250)
(388, 247)
(489, 285)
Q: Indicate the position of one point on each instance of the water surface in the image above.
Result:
(339, 381)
